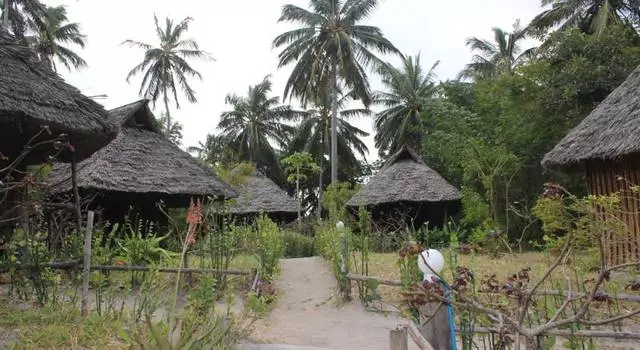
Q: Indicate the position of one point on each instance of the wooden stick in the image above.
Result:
(569, 333)
(168, 269)
(84, 308)
(387, 282)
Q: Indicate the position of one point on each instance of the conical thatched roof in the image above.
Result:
(405, 177)
(610, 131)
(32, 96)
(140, 160)
(257, 194)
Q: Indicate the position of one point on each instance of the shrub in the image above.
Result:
(297, 245)
(270, 247)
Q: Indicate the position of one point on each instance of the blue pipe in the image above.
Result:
(452, 327)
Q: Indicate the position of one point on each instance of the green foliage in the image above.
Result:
(50, 327)
(270, 247)
(259, 304)
(578, 220)
(220, 245)
(29, 255)
(336, 246)
(334, 200)
(407, 263)
(210, 332)
(235, 174)
(298, 165)
(367, 290)
(139, 250)
(297, 245)
(475, 211)
(202, 297)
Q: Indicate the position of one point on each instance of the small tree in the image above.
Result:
(294, 164)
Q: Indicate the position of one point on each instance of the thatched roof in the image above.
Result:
(32, 96)
(257, 194)
(405, 178)
(610, 131)
(140, 160)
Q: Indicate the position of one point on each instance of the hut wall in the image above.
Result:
(611, 176)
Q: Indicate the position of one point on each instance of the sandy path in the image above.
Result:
(307, 315)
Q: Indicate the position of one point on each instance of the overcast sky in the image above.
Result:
(239, 34)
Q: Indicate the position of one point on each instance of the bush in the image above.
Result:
(270, 248)
(297, 245)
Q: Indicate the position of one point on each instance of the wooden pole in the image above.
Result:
(84, 308)
(437, 331)
(76, 194)
(398, 339)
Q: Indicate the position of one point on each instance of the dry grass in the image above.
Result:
(385, 265)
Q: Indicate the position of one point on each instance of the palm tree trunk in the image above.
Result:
(320, 187)
(5, 20)
(334, 124)
(299, 197)
(167, 132)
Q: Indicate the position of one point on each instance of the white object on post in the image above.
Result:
(339, 225)
(435, 262)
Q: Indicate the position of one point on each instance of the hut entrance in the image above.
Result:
(413, 215)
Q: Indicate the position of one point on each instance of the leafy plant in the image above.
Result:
(270, 247)
(135, 249)
(298, 245)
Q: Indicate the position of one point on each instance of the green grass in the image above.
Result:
(58, 328)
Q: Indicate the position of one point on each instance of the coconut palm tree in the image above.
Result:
(215, 150)
(254, 122)
(174, 133)
(498, 57)
(313, 135)
(166, 68)
(22, 17)
(591, 16)
(330, 48)
(408, 90)
(53, 34)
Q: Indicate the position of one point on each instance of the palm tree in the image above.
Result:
(591, 16)
(174, 133)
(254, 121)
(166, 67)
(216, 149)
(409, 89)
(22, 16)
(330, 49)
(54, 32)
(313, 136)
(498, 57)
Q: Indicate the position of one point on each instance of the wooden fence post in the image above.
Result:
(437, 331)
(398, 339)
(86, 270)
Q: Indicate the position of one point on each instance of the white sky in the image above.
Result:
(239, 34)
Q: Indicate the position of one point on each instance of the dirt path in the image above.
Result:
(307, 315)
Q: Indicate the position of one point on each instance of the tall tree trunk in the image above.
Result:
(167, 132)
(334, 124)
(320, 186)
(298, 197)
(5, 19)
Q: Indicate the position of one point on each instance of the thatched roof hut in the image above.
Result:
(33, 96)
(406, 186)
(140, 167)
(607, 145)
(257, 194)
